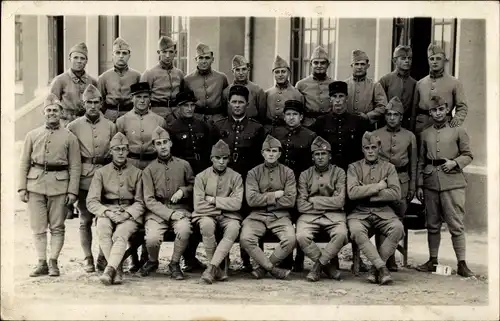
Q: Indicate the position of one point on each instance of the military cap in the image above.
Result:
(159, 133)
(120, 44)
(238, 90)
(435, 50)
(185, 96)
(437, 101)
(203, 49)
(118, 139)
(270, 142)
(319, 143)
(370, 138)
(239, 61)
(220, 149)
(91, 92)
(140, 87)
(357, 55)
(402, 51)
(81, 48)
(165, 43)
(396, 105)
(50, 100)
(296, 105)
(319, 53)
(337, 87)
(280, 63)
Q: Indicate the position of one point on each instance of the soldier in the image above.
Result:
(207, 85)
(444, 152)
(279, 93)
(114, 84)
(50, 169)
(165, 80)
(168, 185)
(244, 137)
(320, 202)
(438, 83)
(315, 87)
(69, 86)
(270, 193)
(218, 195)
(94, 133)
(115, 197)
(399, 147)
(256, 99)
(366, 98)
(373, 184)
(399, 83)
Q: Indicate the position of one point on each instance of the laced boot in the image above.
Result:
(148, 268)
(208, 276)
(280, 273)
(463, 270)
(89, 266)
(429, 266)
(119, 275)
(373, 275)
(108, 276)
(53, 268)
(331, 271)
(259, 273)
(41, 269)
(175, 271)
(315, 274)
(384, 276)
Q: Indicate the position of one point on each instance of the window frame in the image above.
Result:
(451, 65)
(172, 26)
(19, 49)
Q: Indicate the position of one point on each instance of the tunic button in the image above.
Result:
(142, 130)
(373, 178)
(357, 91)
(277, 108)
(48, 142)
(121, 184)
(357, 100)
(95, 136)
(393, 145)
(168, 189)
(271, 179)
(321, 101)
(206, 96)
(168, 179)
(47, 152)
(437, 140)
(432, 88)
(96, 146)
(438, 150)
(237, 137)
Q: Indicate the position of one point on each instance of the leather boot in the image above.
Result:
(221, 274)
(391, 264)
(331, 271)
(373, 275)
(259, 273)
(463, 270)
(193, 265)
(89, 264)
(384, 276)
(119, 275)
(41, 269)
(108, 276)
(175, 271)
(149, 267)
(208, 276)
(429, 266)
(280, 273)
(53, 268)
(315, 274)
(101, 263)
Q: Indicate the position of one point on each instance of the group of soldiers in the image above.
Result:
(161, 151)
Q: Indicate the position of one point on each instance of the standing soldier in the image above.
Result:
(50, 169)
(315, 87)
(165, 80)
(366, 98)
(207, 85)
(94, 134)
(115, 197)
(271, 192)
(168, 185)
(114, 84)
(438, 83)
(257, 98)
(69, 86)
(444, 152)
(218, 195)
(279, 93)
(320, 202)
(399, 147)
(372, 184)
(399, 83)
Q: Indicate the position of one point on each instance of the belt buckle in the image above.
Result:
(235, 157)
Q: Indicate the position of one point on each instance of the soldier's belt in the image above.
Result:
(208, 110)
(96, 160)
(163, 103)
(50, 168)
(142, 156)
(119, 106)
(314, 114)
(117, 201)
(434, 162)
(402, 169)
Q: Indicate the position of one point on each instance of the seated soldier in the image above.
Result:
(115, 197)
(218, 195)
(270, 193)
(320, 202)
(373, 184)
(167, 183)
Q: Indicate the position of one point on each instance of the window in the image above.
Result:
(56, 46)
(177, 29)
(444, 35)
(19, 49)
(307, 34)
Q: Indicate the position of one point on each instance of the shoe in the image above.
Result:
(463, 270)
(119, 275)
(259, 273)
(429, 266)
(175, 271)
(280, 273)
(384, 276)
(193, 265)
(373, 275)
(315, 274)
(221, 274)
(150, 266)
(101, 263)
(391, 264)
(41, 269)
(108, 276)
(89, 266)
(208, 276)
(247, 268)
(331, 271)
(53, 268)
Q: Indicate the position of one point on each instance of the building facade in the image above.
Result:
(42, 44)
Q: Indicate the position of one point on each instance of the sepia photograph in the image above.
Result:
(249, 160)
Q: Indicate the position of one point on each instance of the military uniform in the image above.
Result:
(114, 85)
(50, 169)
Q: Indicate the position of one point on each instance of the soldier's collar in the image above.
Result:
(120, 70)
(441, 125)
(241, 83)
(402, 73)
(273, 165)
(283, 86)
(293, 130)
(75, 78)
(219, 173)
(119, 167)
(393, 130)
(166, 66)
(436, 74)
(241, 120)
(322, 170)
(95, 121)
(320, 77)
(53, 127)
(141, 113)
(359, 79)
(371, 163)
(166, 160)
(204, 72)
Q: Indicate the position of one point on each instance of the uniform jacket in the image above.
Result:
(256, 100)
(366, 96)
(362, 179)
(69, 89)
(322, 193)
(438, 143)
(113, 183)
(165, 83)
(139, 129)
(227, 188)
(93, 139)
(160, 182)
(114, 85)
(207, 88)
(261, 183)
(53, 147)
(402, 86)
(275, 101)
(316, 96)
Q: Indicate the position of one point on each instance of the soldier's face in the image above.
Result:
(93, 106)
(319, 66)
(204, 62)
(78, 61)
(293, 118)
(238, 105)
(220, 162)
(141, 101)
(359, 68)
(439, 113)
(403, 62)
(371, 152)
(167, 56)
(121, 57)
(187, 109)
(281, 75)
(393, 118)
(119, 154)
(436, 62)
(241, 73)
(321, 158)
(162, 147)
(271, 155)
(52, 114)
(338, 102)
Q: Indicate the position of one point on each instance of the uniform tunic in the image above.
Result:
(403, 86)
(256, 100)
(275, 100)
(366, 96)
(316, 97)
